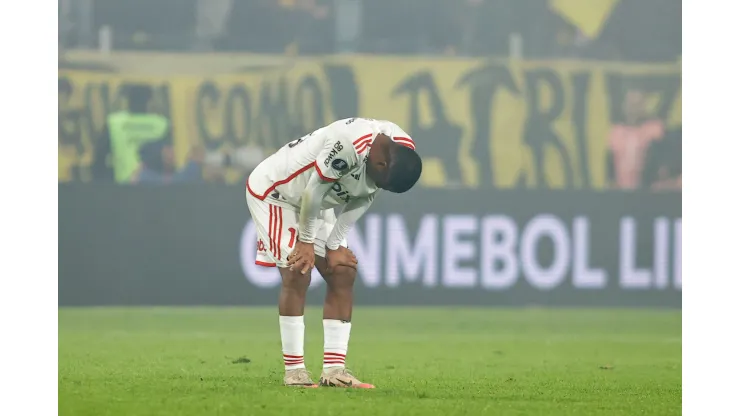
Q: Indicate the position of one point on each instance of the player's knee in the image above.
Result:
(342, 277)
(295, 281)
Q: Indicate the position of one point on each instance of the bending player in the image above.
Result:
(291, 196)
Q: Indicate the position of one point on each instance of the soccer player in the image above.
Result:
(291, 196)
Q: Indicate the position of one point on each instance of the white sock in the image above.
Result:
(336, 342)
(291, 335)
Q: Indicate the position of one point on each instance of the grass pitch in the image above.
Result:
(197, 361)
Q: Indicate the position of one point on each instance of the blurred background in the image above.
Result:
(550, 132)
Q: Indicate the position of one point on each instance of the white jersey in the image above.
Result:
(337, 152)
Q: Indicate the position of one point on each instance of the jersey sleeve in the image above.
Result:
(340, 152)
(347, 219)
(398, 135)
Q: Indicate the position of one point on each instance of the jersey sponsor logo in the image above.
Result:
(342, 193)
(333, 153)
(356, 176)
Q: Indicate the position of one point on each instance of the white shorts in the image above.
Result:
(277, 231)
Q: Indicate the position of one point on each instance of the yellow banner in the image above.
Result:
(476, 123)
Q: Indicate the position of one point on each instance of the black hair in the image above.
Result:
(405, 169)
(150, 155)
(138, 98)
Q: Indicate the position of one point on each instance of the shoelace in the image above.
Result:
(305, 375)
(346, 372)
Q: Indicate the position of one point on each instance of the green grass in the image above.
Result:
(186, 361)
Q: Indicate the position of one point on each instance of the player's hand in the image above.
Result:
(340, 257)
(302, 258)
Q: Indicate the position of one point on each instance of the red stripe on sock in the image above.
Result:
(292, 356)
(334, 362)
(335, 354)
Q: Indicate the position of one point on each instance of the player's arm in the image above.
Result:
(332, 162)
(302, 257)
(311, 199)
(347, 219)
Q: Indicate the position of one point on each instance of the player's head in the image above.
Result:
(392, 166)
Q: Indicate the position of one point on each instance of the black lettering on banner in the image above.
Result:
(238, 111)
(309, 110)
(282, 111)
(235, 116)
(233, 108)
(539, 133)
(273, 124)
(343, 94)
(70, 128)
(447, 146)
(207, 99)
(483, 83)
(581, 82)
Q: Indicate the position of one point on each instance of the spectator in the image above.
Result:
(629, 140)
(158, 165)
(663, 163)
(117, 151)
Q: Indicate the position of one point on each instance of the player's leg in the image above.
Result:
(291, 305)
(275, 234)
(337, 316)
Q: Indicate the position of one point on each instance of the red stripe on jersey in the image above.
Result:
(364, 146)
(405, 141)
(264, 263)
(278, 183)
(356, 142)
(323, 177)
(363, 142)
